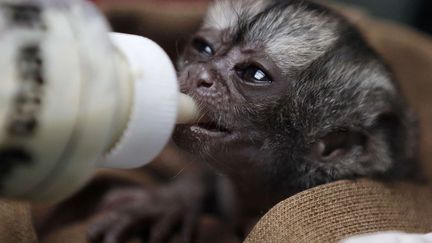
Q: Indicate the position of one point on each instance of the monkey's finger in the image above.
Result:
(160, 232)
(189, 227)
(97, 229)
(118, 199)
(119, 231)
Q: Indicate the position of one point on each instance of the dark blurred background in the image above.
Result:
(417, 13)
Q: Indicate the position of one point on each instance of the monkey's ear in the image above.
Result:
(336, 145)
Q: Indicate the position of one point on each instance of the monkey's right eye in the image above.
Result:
(202, 47)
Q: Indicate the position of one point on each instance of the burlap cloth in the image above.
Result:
(323, 214)
(15, 223)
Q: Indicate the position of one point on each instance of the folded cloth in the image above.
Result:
(336, 211)
(15, 224)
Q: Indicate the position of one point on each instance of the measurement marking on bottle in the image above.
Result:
(24, 15)
(27, 103)
(28, 100)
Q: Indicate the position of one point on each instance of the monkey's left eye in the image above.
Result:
(253, 74)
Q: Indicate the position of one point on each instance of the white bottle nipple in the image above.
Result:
(188, 111)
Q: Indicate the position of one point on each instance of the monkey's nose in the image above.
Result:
(204, 84)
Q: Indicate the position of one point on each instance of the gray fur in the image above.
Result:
(333, 84)
(291, 35)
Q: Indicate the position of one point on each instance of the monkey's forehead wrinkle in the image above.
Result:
(293, 34)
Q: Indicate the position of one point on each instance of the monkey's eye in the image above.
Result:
(253, 74)
(202, 47)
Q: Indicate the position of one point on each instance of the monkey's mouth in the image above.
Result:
(212, 129)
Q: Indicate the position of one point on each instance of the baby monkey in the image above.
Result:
(293, 98)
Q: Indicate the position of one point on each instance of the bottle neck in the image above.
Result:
(153, 105)
(124, 102)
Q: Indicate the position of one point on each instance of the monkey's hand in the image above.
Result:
(164, 213)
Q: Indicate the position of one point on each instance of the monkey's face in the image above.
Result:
(288, 83)
(234, 85)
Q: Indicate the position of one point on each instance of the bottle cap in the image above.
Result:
(155, 103)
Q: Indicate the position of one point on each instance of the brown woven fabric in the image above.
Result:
(15, 223)
(332, 212)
